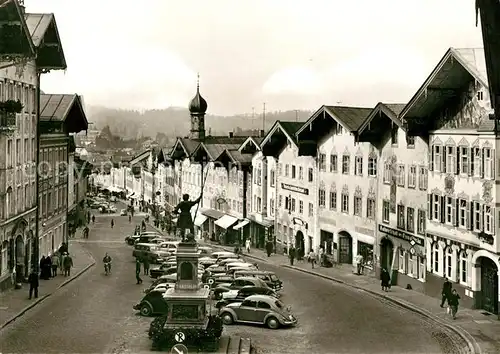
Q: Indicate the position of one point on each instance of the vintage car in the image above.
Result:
(237, 284)
(204, 250)
(206, 261)
(240, 265)
(246, 291)
(152, 303)
(223, 261)
(143, 250)
(164, 269)
(270, 278)
(164, 279)
(158, 256)
(258, 309)
(216, 269)
(223, 255)
(130, 239)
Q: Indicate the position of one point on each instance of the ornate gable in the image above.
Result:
(463, 142)
(358, 192)
(345, 189)
(475, 143)
(450, 142)
(333, 186)
(436, 141)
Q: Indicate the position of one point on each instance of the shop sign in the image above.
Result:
(296, 189)
(297, 221)
(401, 235)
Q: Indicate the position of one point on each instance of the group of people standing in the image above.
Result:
(49, 267)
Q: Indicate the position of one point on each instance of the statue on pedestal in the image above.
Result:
(185, 221)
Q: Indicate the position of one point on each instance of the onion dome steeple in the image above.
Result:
(198, 105)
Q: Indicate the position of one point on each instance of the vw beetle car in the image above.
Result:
(258, 309)
(152, 303)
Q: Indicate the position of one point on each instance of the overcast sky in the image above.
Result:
(291, 54)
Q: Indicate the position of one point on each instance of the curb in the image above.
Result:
(41, 299)
(472, 345)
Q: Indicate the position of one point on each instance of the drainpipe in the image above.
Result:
(36, 243)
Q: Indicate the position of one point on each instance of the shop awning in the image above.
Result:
(200, 219)
(214, 214)
(226, 221)
(241, 224)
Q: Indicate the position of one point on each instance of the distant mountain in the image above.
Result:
(175, 121)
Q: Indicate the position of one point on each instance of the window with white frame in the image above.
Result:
(423, 178)
(322, 162)
(333, 163)
(333, 200)
(488, 218)
(421, 268)
(450, 210)
(412, 265)
(462, 213)
(345, 203)
(301, 207)
(449, 262)
(437, 158)
(311, 209)
(345, 164)
(372, 166)
(410, 220)
(464, 267)
(476, 159)
(450, 159)
(435, 257)
(322, 197)
(310, 174)
(387, 173)
(436, 207)
(477, 216)
(421, 222)
(287, 170)
(370, 208)
(488, 163)
(301, 173)
(401, 175)
(401, 260)
(385, 211)
(401, 217)
(357, 205)
(293, 205)
(359, 166)
(412, 176)
(464, 160)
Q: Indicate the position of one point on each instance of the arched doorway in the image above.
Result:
(489, 285)
(345, 247)
(386, 253)
(19, 250)
(300, 244)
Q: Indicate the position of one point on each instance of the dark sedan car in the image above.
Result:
(164, 269)
(238, 284)
(240, 295)
(152, 303)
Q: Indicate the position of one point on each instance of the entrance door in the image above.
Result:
(345, 248)
(300, 246)
(386, 254)
(489, 285)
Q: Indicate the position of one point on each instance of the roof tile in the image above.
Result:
(351, 117)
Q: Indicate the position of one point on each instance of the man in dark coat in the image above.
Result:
(183, 209)
(291, 254)
(138, 271)
(145, 263)
(446, 292)
(33, 281)
(269, 248)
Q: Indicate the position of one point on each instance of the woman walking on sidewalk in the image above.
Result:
(385, 280)
(453, 303)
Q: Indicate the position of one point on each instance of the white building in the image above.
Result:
(452, 108)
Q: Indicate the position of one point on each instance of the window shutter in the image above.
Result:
(483, 167)
(493, 216)
(443, 209)
(481, 216)
(443, 169)
(470, 158)
(429, 206)
(458, 160)
(431, 158)
(470, 215)
(454, 208)
(493, 164)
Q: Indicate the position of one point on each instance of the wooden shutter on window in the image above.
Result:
(443, 169)
(469, 215)
(470, 157)
(431, 158)
(493, 164)
(483, 167)
(454, 212)
(458, 161)
(493, 216)
(481, 215)
(443, 208)
(429, 206)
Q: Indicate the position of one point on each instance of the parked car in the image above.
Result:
(270, 278)
(152, 303)
(258, 309)
(223, 254)
(130, 239)
(206, 261)
(147, 237)
(164, 279)
(158, 256)
(237, 284)
(142, 250)
(204, 250)
(216, 269)
(164, 269)
(246, 291)
(239, 265)
(224, 261)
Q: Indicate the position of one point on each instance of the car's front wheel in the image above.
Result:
(227, 318)
(272, 323)
(146, 310)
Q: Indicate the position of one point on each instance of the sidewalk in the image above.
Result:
(15, 303)
(480, 331)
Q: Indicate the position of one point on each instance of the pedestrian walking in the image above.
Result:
(359, 264)
(453, 298)
(33, 281)
(269, 248)
(112, 223)
(291, 255)
(55, 264)
(385, 278)
(321, 256)
(138, 271)
(93, 219)
(247, 245)
(68, 264)
(446, 292)
(129, 218)
(145, 264)
(312, 258)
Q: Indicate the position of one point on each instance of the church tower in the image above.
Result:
(197, 108)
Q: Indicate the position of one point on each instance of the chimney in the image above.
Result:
(231, 134)
(262, 134)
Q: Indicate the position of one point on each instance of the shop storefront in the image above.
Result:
(224, 228)
(212, 216)
(243, 230)
(326, 242)
(403, 254)
(261, 231)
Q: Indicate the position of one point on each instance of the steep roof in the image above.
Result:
(351, 117)
(57, 107)
(11, 13)
(140, 157)
(256, 141)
